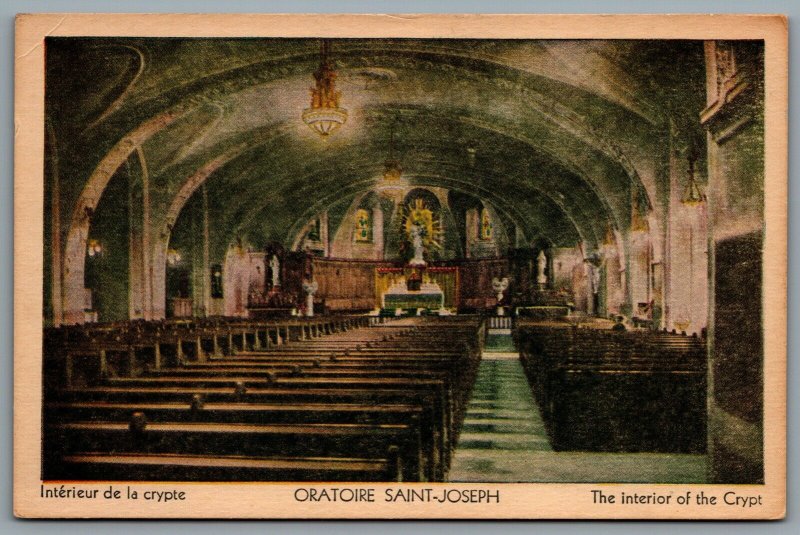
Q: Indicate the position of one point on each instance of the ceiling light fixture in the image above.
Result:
(692, 195)
(325, 116)
(471, 155)
(392, 183)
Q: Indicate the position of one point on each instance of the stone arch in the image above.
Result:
(161, 242)
(75, 247)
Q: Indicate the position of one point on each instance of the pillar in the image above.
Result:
(56, 296)
(735, 139)
(206, 269)
(147, 267)
(377, 231)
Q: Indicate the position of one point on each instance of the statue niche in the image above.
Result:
(416, 290)
(282, 274)
(420, 229)
(273, 262)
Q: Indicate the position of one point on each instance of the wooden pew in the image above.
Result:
(600, 390)
(171, 467)
(433, 424)
(369, 441)
(223, 381)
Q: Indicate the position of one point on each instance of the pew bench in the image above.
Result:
(370, 441)
(171, 467)
(600, 390)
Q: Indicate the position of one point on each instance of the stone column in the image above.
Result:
(377, 232)
(206, 256)
(136, 267)
(147, 267)
(734, 120)
(55, 229)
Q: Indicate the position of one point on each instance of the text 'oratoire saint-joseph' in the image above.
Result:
(390, 494)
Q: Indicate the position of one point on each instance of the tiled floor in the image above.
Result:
(504, 440)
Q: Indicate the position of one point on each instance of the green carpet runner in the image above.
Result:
(502, 425)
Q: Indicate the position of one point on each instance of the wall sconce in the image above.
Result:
(173, 257)
(94, 248)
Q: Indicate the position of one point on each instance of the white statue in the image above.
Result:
(416, 240)
(541, 263)
(275, 266)
(310, 288)
(595, 272)
(592, 273)
(499, 286)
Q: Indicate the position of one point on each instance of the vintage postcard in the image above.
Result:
(412, 266)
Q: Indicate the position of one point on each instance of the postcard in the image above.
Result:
(400, 266)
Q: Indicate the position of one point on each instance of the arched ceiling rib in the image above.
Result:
(263, 175)
(547, 119)
(506, 166)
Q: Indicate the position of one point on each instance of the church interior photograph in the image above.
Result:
(444, 260)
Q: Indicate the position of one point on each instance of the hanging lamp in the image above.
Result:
(692, 194)
(325, 116)
(392, 183)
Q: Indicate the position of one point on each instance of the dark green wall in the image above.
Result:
(108, 274)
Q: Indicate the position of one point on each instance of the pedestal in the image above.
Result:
(310, 305)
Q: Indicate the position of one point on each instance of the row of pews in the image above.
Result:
(630, 391)
(302, 399)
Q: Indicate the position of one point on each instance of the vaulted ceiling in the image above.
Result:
(567, 134)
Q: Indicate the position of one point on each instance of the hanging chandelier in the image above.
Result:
(392, 183)
(325, 116)
(692, 195)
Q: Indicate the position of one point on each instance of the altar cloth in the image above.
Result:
(429, 296)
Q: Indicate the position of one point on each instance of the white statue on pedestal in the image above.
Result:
(595, 272)
(541, 263)
(500, 286)
(310, 288)
(416, 240)
(275, 266)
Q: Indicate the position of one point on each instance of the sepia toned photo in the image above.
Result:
(365, 270)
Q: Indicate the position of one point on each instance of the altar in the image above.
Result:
(417, 286)
(398, 296)
(438, 288)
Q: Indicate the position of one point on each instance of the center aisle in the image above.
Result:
(502, 427)
(504, 441)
